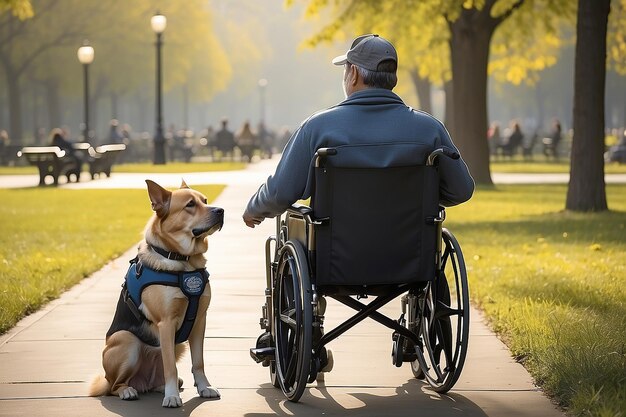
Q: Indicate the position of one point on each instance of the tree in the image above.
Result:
(44, 47)
(23, 42)
(468, 27)
(22, 9)
(471, 30)
(586, 190)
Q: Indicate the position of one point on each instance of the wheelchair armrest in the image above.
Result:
(300, 209)
(444, 150)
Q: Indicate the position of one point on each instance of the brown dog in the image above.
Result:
(142, 345)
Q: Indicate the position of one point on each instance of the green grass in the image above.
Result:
(173, 167)
(52, 238)
(540, 166)
(552, 284)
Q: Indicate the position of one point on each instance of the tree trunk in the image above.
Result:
(114, 105)
(422, 89)
(448, 118)
(586, 191)
(539, 105)
(53, 101)
(15, 106)
(469, 50)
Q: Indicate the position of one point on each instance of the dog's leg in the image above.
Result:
(196, 344)
(167, 332)
(121, 360)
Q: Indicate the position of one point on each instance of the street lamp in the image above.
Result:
(262, 86)
(86, 56)
(158, 23)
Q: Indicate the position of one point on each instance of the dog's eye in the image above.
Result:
(191, 204)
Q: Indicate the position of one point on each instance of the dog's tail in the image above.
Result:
(99, 387)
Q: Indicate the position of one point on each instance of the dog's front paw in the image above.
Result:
(128, 394)
(173, 401)
(210, 392)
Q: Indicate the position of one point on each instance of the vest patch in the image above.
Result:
(192, 284)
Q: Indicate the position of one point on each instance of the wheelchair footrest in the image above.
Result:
(263, 355)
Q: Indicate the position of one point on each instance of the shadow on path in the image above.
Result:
(412, 398)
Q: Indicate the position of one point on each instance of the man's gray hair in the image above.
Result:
(384, 77)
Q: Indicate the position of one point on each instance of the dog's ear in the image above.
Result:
(184, 184)
(159, 197)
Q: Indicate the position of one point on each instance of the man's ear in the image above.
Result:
(160, 198)
(184, 184)
(354, 74)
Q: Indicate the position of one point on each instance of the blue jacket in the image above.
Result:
(368, 116)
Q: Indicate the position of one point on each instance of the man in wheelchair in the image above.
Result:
(378, 174)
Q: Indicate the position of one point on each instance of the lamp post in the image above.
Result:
(262, 86)
(85, 56)
(158, 23)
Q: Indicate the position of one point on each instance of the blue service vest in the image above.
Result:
(192, 284)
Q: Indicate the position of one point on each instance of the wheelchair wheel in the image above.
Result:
(444, 324)
(293, 321)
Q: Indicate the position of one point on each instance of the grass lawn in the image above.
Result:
(552, 283)
(540, 166)
(52, 238)
(173, 167)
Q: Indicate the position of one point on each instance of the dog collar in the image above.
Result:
(169, 255)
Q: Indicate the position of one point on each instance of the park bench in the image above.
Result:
(8, 154)
(102, 158)
(51, 161)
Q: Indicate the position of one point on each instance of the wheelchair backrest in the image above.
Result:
(375, 204)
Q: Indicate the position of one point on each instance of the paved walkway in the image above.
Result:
(48, 359)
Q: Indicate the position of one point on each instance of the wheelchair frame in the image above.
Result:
(293, 314)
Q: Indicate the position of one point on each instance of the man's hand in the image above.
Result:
(252, 221)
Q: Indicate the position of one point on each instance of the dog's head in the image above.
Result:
(182, 219)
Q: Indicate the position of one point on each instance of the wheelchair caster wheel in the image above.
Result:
(330, 362)
(396, 350)
(417, 371)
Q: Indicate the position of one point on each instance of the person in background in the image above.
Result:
(225, 140)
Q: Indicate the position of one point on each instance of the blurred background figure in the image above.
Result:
(514, 141)
(225, 140)
(494, 138)
(114, 132)
(246, 141)
(266, 141)
(4, 142)
(58, 138)
(551, 143)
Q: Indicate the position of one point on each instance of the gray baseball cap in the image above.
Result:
(367, 51)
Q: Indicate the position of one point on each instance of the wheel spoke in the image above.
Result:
(444, 310)
(288, 318)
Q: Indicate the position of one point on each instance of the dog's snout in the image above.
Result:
(217, 211)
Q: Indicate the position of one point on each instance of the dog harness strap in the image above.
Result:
(192, 284)
(170, 255)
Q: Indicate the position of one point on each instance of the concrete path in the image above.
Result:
(48, 359)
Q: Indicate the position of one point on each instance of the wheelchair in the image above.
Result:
(374, 228)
